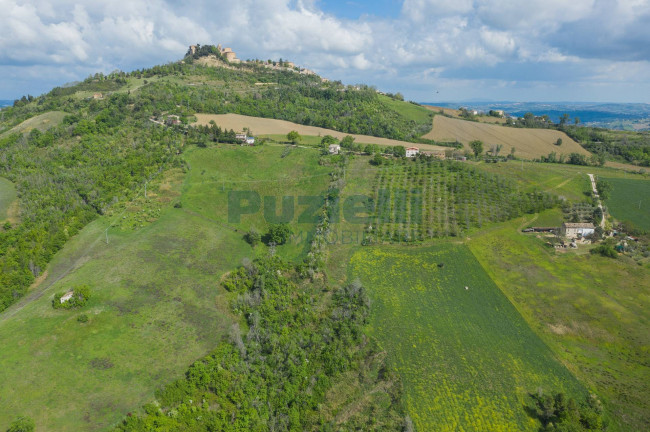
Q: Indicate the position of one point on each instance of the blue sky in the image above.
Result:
(429, 50)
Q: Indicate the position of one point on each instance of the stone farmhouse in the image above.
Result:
(576, 230)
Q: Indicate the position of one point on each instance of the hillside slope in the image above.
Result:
(266, 126)
(528, 143)
(42, 122)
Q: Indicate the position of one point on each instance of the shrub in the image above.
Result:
(83, 318)
(605, 250)
(253, 237)
(278, 234)
(22, 424)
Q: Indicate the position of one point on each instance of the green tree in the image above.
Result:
(604, 188)
(22, 424)
(477, 147)
(278, 234)
(564, 119)
(347, 141)
(253, 237)
(399, 151)
(371, 149)
(294, 137)
(377, 159)
(327, 140)
(558, 142)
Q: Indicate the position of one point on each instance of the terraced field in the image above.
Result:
(465, 355)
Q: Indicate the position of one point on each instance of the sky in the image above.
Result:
(428, 50)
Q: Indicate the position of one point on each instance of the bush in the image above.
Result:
(278, 234)
(83, 318)
(22, 424)
(605, 250)
(253, 237)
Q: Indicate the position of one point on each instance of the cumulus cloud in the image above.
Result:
(501, 41)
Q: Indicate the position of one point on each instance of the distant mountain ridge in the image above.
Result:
(622, 116)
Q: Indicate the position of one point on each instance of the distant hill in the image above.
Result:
(621, 116)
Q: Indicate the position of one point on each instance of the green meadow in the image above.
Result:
(466, 357)
(156, 301)
(414, 112)
(568, 181)
(591, 311)
(630, 201)
(286, 180)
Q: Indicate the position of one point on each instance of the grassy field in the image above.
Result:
(592, 311)
(456, 113)
(156, 303)
(528, 143)
(568, 181)
(417, 113)
(264, 126)
(465, 355)
(8, 201)
(630, 201)
(268, 171)
(42, 122)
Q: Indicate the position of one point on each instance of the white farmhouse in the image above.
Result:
(412, 152)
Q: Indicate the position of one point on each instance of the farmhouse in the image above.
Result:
(250, 140)
(241, 137)
(573, 230)
(412, 152)
(334, 149)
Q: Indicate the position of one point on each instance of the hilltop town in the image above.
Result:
(212, 56)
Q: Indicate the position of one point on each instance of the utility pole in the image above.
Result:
(106, 232)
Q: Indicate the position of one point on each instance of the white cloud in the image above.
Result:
(430, 38)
